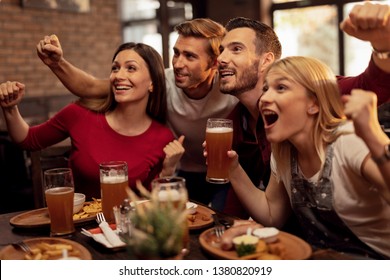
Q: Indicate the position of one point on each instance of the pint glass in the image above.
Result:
(172, 192)
(59, 192)
(219, 138)
(113, 184)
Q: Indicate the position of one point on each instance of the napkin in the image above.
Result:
(110, 235)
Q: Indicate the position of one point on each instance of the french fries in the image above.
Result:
(46, 251)
(89, 209)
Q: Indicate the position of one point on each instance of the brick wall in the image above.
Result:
(88, 40)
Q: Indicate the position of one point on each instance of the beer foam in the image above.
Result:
(171, 195)
(113, 179)
(59, 190)
(219, 129)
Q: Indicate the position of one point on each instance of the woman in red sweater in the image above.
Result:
(128, 125)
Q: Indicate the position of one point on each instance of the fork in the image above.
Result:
(219, 228)
(22, 246)
(110, 235)
(100, 218)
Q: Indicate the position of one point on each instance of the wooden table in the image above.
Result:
(10, 234)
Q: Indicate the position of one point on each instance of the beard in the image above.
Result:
(246, 81)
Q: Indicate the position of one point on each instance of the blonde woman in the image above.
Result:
(321, 169)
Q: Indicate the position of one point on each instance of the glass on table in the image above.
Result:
(59, 193)
(172, 192)
(113, 185)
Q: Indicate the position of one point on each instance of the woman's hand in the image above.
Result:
(361, 108)
(232, 155)
(173, 153)
(49, 50)
(11, 93)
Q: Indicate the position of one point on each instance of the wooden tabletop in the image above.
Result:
(10, 234)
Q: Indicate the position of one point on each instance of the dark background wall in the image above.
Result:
(88, 39)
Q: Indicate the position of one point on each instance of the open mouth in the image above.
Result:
(270, 117)
(225, 73)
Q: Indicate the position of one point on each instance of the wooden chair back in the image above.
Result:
(51, 157)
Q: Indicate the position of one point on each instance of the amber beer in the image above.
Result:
(113, 184)
(59, 194)
(60, 204)
(113, 190)
(219, 139)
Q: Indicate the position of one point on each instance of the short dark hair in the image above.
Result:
(266, 38)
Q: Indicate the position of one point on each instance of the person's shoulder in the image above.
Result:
(348, 140)
(162, 129)
(168, 71)
(169, 75)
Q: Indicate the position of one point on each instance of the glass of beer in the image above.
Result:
(59, 192)
(172, 192)
(219, 139)
(113, 184)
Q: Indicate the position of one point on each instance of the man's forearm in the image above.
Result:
(79, 82)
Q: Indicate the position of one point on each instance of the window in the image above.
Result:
(142, 22)
(311, 28)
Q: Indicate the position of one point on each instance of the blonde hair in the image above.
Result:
(321, 84)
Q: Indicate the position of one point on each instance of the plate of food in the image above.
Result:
(47, 248)
(198, 216)
(40, 217)
(237, 243)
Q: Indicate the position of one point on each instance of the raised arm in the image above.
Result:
(369, 21)
(74, 79)
(11, 93)
(361, 108)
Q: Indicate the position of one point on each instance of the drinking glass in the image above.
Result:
(113, 184)
(219, 139)
(59, 193)
(172, 192)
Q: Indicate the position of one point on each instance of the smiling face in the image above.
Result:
(130, 78)
(287, 108)
(191, 62)
(238, 62)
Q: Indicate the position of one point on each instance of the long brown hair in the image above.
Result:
(157, 102)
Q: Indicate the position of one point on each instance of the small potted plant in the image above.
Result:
(158, 229)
